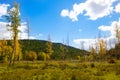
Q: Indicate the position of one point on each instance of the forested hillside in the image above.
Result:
(60, 51)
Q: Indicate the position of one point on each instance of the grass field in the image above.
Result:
(60, 70)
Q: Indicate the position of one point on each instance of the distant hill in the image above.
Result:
(39, 46)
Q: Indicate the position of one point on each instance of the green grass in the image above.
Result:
(60, 70)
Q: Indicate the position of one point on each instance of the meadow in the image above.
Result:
(60, 70)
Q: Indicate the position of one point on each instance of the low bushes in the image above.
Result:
(60, 70)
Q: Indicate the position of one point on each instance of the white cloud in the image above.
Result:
(64, 13)
(13, 9)
(110, 39)
(3, 9)
(84, 43)
(87, 43)
(117, 8)
(24, 32)
(93, 8)
(98, 8)
(73, 14)
(110, 28)
(5, 34)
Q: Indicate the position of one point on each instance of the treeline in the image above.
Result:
(59, 51)
(100, 52)
(37, 50)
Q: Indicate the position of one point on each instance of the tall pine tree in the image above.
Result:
(14, 19)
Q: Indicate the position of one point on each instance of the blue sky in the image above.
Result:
(82, 20)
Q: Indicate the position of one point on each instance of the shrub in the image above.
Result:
(63, 66)
(47, 56)
(92, 65)
(78, 57)
(42, 56)
(32, 56)
(73, 77)
(111, 61)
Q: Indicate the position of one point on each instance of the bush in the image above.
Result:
(43, 56)
(92, 65)
(63, 66)
(47, 56)
(78, 57)
(111, 61)
(31, 55)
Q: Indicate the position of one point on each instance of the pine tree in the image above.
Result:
(14, 19)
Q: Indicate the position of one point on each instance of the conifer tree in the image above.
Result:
(14, 19)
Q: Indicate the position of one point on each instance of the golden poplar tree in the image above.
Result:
(117, 31)
(92, 51)
(102, 47)
(48, 45)
(5, 50)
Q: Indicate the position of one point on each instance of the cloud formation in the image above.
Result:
(94, 9)
(110, 28)
(110, 39)
(73, 14)
(4, 33)
(3, 9)
(117, 8)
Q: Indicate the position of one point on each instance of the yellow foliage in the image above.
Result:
(5, 50)
(49, 49)
(43, 56)
(32, 55)
(47, 56)
(78, 57)
(102, 47)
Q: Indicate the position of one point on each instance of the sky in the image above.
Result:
(80, 21)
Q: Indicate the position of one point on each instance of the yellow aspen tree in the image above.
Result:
(102, 47)
(18, 54)
(48, 45)
(92, 52)
(62, 52)
(0, 47)
(117, 31)
(5, 50)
